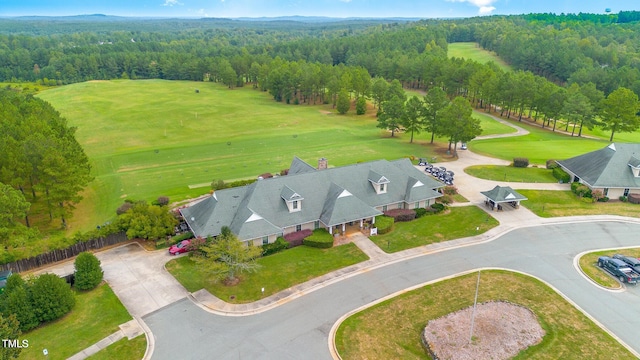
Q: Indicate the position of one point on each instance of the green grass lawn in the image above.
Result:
(278, 272)
(150, 138)
(539, 146)
(511, 174)
(490, 126)
(457, 222)
(123, 349)
(589, 265)
(97, 314)
(549, 203)
(391, 329)
(473, 51)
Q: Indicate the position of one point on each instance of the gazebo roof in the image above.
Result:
(501, 194)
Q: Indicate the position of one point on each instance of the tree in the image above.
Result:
(577, 109)
(361, 105)
(620, 112)
(88, 272)
(435, 101)
(9, 329)
(12, 205)
(379, 90)
(413, 121)
(343, 104)
(51, 297)
(458, 124)
(15, 301)
(391, 114)
(149, 222)
(226, 257)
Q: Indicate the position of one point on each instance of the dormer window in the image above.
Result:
(378, 182)
(634, 164)
(292, 199)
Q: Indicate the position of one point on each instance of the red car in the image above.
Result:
(180, 247)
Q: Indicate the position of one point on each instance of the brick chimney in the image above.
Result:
(323, 163)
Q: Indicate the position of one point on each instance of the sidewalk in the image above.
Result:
(130, 330)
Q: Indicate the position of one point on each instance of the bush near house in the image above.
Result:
(449, 190)
(399, 215)
(561, 175)
(438, 207)
(275, 247)
(580, 190)
(296, 238)
(445, 199)
(384, 224)
(520, 162)
(420, 212)
(552, 164)
(319, 239)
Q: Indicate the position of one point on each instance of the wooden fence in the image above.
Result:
(63, 254)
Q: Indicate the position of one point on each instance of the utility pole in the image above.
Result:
(475, 302)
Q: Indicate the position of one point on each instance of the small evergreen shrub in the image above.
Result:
(384, 224)
(438, 207)
(400, 215)
(361, 106)
(319, 239)
(561, 175)
(275, 247)
(445, 199)
(88, 272)
(520, 162)
(420, 212)
(552, 164)
(623, 198)
(574, 186)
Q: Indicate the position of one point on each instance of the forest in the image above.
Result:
(583, 68)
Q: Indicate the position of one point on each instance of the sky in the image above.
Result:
(331, 8)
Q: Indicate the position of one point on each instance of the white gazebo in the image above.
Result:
(500, 195)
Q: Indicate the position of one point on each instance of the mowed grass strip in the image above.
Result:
(455, 223)
(550, 203)
(473, 51)
(97, 314)
(511, 174)
(589, 265)
(150, 138)
(123, 349)
(392, 329)
(278, 272)
(538, 146)
(490, 126)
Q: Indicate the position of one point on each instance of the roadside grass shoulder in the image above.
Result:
(123, 349)
(278, 272)
(455, 223)
(97, 314)
(569, 333)
(511, 174)
(550, 203)
(589, 266)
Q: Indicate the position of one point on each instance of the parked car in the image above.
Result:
(179, 248)
(463, 146)
(619, 269)
(631, 261)
(422, 162)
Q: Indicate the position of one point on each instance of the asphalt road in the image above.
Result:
(300, 328)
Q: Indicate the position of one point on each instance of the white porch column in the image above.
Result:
(331, 230)
(361, 223)
(344, 227)
(373, 220)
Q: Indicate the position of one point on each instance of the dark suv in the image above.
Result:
(634, 263)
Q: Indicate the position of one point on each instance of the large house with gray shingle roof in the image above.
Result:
(615, 169)
(309, 198)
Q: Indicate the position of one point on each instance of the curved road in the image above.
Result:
(300, 328)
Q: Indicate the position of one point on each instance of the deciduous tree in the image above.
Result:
(391, 114)
(620, 112)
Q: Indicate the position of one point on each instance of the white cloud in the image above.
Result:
(171, 3)
(484, 6)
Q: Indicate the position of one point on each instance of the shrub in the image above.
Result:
(449, 190)
(218, 184)
(596, 195)
(51, 297)
(162, 201)
(561, 175)
(284, 172)
(445, 199)
(15, 301)
(88, 271)
(603, 199)
(520, 162)
(583, 191)
(420, 212)
(438, 207)
(275, 247)
(295, 238)
(574, 186)
(361, 106)
(319, 239)
(623, 198)
(400, 215)
(552, 164)
(124, 208)
(384, 224)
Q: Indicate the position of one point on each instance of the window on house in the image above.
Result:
(295, 205)
(605, 192)
(382, 187)
(298, 227)
(626, 192)
(417, 205)
(384, 207)
(265, 240)
(316, 224)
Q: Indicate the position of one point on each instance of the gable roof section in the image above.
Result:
(634, 162)
(289, 195)
(298, 166)
(341, 207)
(607, 167)
(376, 178)
(503, 194)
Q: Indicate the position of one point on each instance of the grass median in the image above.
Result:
(391, 329)
(455, 223)
(589, 266)
(278, 272)
(97, 314)
(550, 203)
(511, 174)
